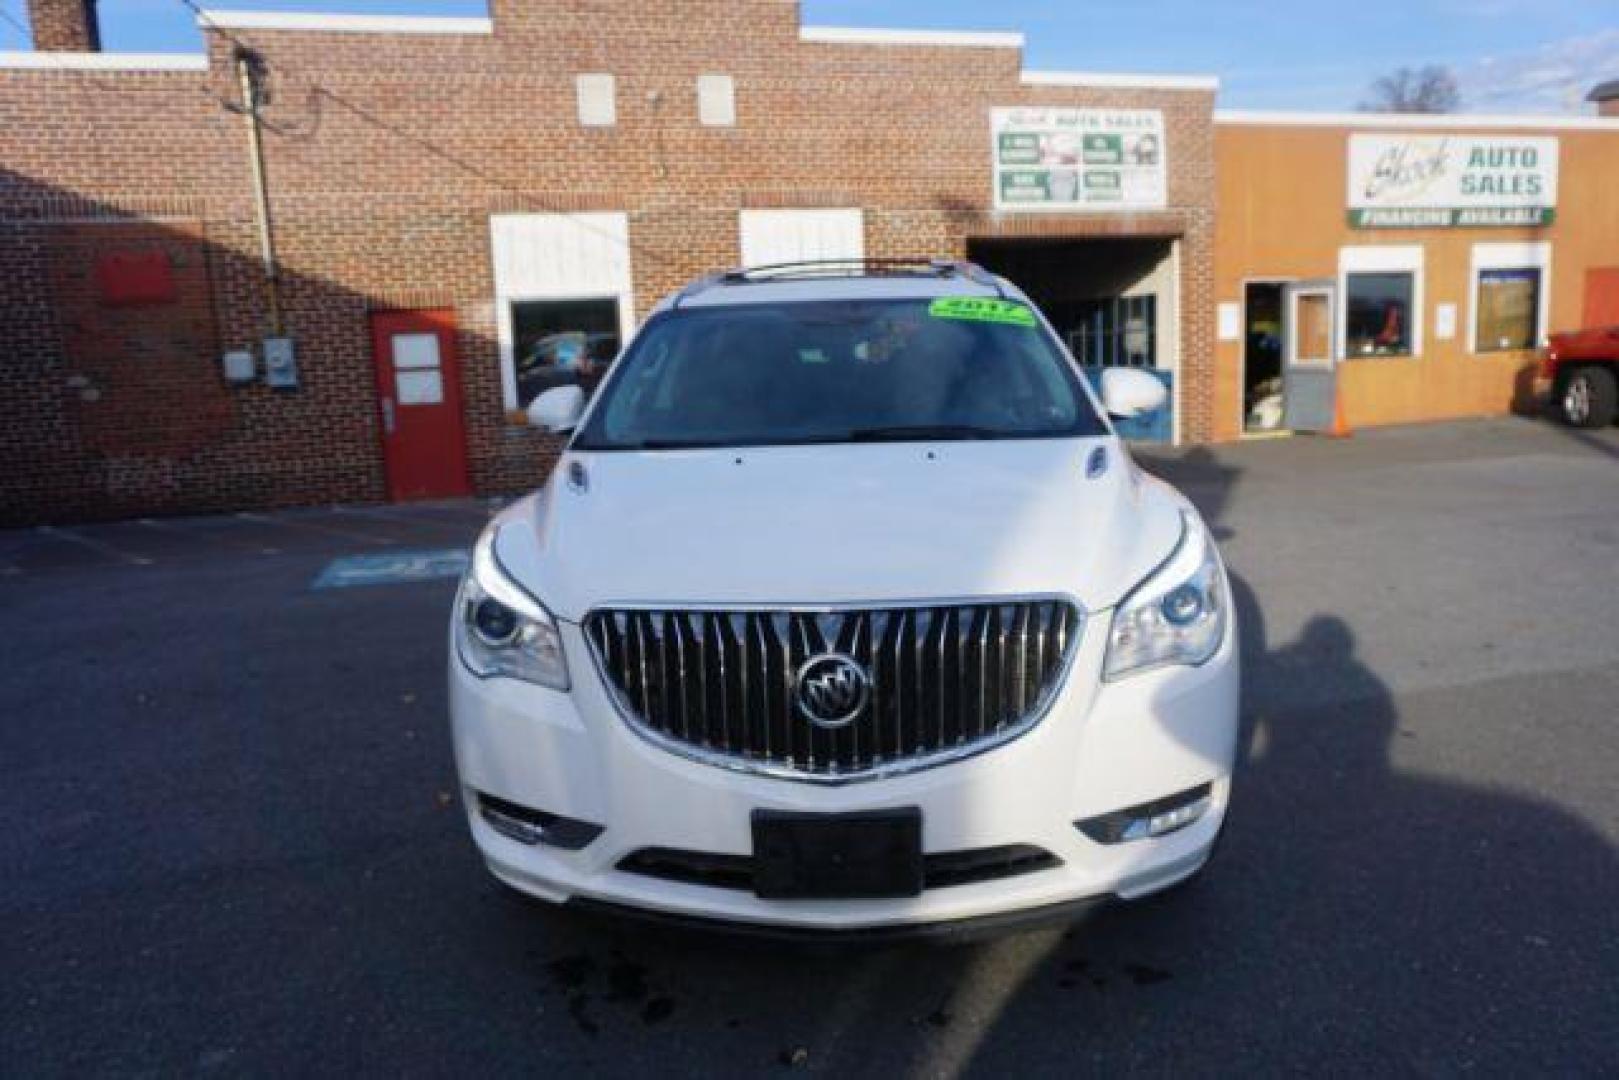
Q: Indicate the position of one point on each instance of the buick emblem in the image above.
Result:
(831, 689)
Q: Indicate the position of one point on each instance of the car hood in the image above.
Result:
(840, 524)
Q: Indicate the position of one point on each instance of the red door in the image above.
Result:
(1602, 296)
(419, 390)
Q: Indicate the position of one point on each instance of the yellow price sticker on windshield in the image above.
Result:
(982, 309)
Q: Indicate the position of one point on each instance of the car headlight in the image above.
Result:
(500, 629)
(1177, 615)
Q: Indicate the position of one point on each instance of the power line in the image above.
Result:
(206, 21)
(318, 92)
(402, 132)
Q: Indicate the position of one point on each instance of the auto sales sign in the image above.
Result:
(1451, 181)
(1078, 159)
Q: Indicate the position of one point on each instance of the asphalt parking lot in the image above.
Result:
(232, 845)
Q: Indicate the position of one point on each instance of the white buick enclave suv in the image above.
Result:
(845, 609)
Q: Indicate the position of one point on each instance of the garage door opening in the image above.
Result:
(1112, 300)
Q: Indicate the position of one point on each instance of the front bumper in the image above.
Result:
(946, 932)
(1102, 747)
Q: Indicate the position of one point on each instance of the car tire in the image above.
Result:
(1588, 398)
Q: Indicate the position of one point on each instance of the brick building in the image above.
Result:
(452, 205)
(490, 172)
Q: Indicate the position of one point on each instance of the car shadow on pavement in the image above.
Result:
(1605, 441)
(1357, 913)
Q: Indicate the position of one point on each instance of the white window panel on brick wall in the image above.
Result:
(558, 257)
(778, 236)
(716, 100)
(598, 100)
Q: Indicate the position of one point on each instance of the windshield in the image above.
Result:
(840, 371)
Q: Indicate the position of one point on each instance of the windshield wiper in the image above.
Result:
(921, 433)
(665, 444)
(896, 433)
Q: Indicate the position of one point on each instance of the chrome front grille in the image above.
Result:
(721, 685)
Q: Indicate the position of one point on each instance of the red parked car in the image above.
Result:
(1580, 371)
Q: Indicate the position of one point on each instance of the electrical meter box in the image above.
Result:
(239, 366)
(280, 364)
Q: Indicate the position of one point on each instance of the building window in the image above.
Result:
(598, 102)
(1507, 307)
(716, 100)
(1121, 331)
(1378, 311)
(1512, 283)
(558, 274)
(562, 343)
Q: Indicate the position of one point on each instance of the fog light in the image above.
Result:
(529, 826)
(1157, 818)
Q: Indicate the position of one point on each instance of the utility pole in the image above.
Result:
(250, 73)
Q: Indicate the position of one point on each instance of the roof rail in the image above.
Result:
(693, 288)
(810, 269)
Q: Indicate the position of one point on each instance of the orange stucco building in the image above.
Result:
(1416, 262)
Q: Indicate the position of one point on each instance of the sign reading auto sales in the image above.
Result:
(1451, 181)
(1078, 159)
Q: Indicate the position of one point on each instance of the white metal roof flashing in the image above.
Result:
(1445, 121)
(334, 23)
(1108, 80)
(860, 35)
(101, 61)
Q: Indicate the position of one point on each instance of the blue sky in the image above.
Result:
(1511, 55)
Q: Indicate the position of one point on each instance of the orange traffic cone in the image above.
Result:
(1340, 427)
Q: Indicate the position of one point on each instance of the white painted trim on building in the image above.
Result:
(331, 22)
(1108, 80)
(1450, 121)
(861, 35)
(1374, 259)
(1177, 406)
(102, 61)
(767, 237)
(1509, 256)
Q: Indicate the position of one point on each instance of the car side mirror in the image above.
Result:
(557, 410)
(1128, 393)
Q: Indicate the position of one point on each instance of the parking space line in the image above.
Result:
(468, 512)
(484, 507)
(179, 530)
(95, 545)
(402, 517)
(291, 523)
